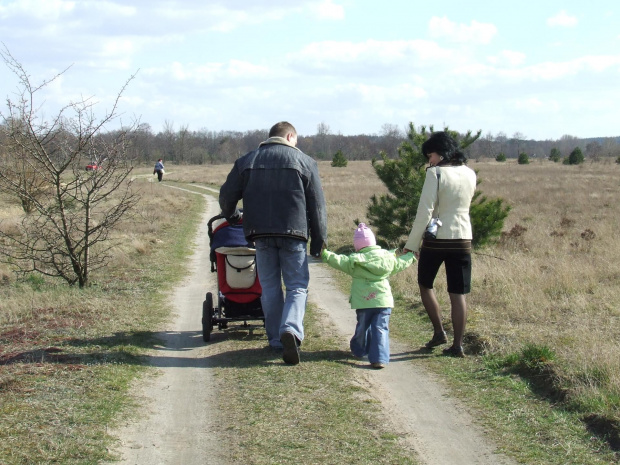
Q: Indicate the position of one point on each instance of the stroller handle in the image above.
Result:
(215, 218)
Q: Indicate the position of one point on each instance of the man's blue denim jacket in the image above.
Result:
(282, 195)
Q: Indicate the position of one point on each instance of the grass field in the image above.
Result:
(545, 305)
(544, 319)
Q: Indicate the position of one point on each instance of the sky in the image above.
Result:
(543, 69)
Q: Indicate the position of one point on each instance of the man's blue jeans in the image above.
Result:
(283, 259)
(372, 335)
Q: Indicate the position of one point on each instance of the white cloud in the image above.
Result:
(326, 9)
(476, 32)
(40, 9)
(559, 70)
(117, 52)
(531, 105)
(382, 95)
(372, 55)
(562, 19)
(113, 9)
(222, 75)
(508, 58)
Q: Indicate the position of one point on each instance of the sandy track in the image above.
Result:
(436, 426)
(179, 427)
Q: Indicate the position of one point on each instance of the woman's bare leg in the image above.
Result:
(432, 308)
(459, 317)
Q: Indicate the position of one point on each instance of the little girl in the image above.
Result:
(371, 295)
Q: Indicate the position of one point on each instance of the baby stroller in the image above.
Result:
(239, 291)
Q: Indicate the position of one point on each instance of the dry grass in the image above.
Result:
(67, 355)
(204, 174)
(556, 281)
(553, 279)
(559, 284)
(556, 285)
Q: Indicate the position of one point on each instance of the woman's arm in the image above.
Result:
(426, 206)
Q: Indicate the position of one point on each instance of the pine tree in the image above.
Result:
(523, 159)
(339, 160)
(555, 155)
(576, 157)
(392, 214)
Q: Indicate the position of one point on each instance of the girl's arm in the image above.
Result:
(403, 262)
(340, 262)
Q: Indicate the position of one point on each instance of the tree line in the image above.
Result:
(204, 146)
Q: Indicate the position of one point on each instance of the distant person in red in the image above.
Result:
(159, 169)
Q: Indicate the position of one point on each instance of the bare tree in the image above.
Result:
(65, 233)
(323, 133)
(392, 137)
(182, 143)
(517, 141)
(594, 150)
(15, 166)
(501, 142)
(487, 146)
(567, 143)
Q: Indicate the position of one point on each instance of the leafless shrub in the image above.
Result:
(588, 235)
(69, 212)
(515, 237)
(566, 223)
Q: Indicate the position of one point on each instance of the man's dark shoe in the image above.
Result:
(437, 340)
(290, 348)
(453, 351)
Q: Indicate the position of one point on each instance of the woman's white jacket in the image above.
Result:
(450, 203)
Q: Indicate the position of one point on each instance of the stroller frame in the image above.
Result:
(234, 304)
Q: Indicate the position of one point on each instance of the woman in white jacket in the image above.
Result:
(446, 195)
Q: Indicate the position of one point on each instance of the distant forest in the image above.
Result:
(183, 146)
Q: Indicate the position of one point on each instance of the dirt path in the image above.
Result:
(176, 428)
(435, 425)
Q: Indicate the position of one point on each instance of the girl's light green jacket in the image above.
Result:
(370, 268)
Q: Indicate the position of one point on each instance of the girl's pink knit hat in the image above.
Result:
(363, 237)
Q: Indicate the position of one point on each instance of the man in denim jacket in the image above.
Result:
(283, 208)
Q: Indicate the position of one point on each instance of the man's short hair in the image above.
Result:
(281, 129)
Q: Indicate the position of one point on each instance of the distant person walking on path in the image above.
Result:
(159, 169)
(283, 208)
(446, 196)
(371, 294)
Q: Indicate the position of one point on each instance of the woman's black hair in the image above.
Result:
(445, 146)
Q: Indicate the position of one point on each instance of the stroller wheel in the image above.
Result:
(207, 317)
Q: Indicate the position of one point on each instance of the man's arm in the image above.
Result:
(230, 193)
(317, 212)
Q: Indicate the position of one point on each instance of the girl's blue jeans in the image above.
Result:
(372, 335)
